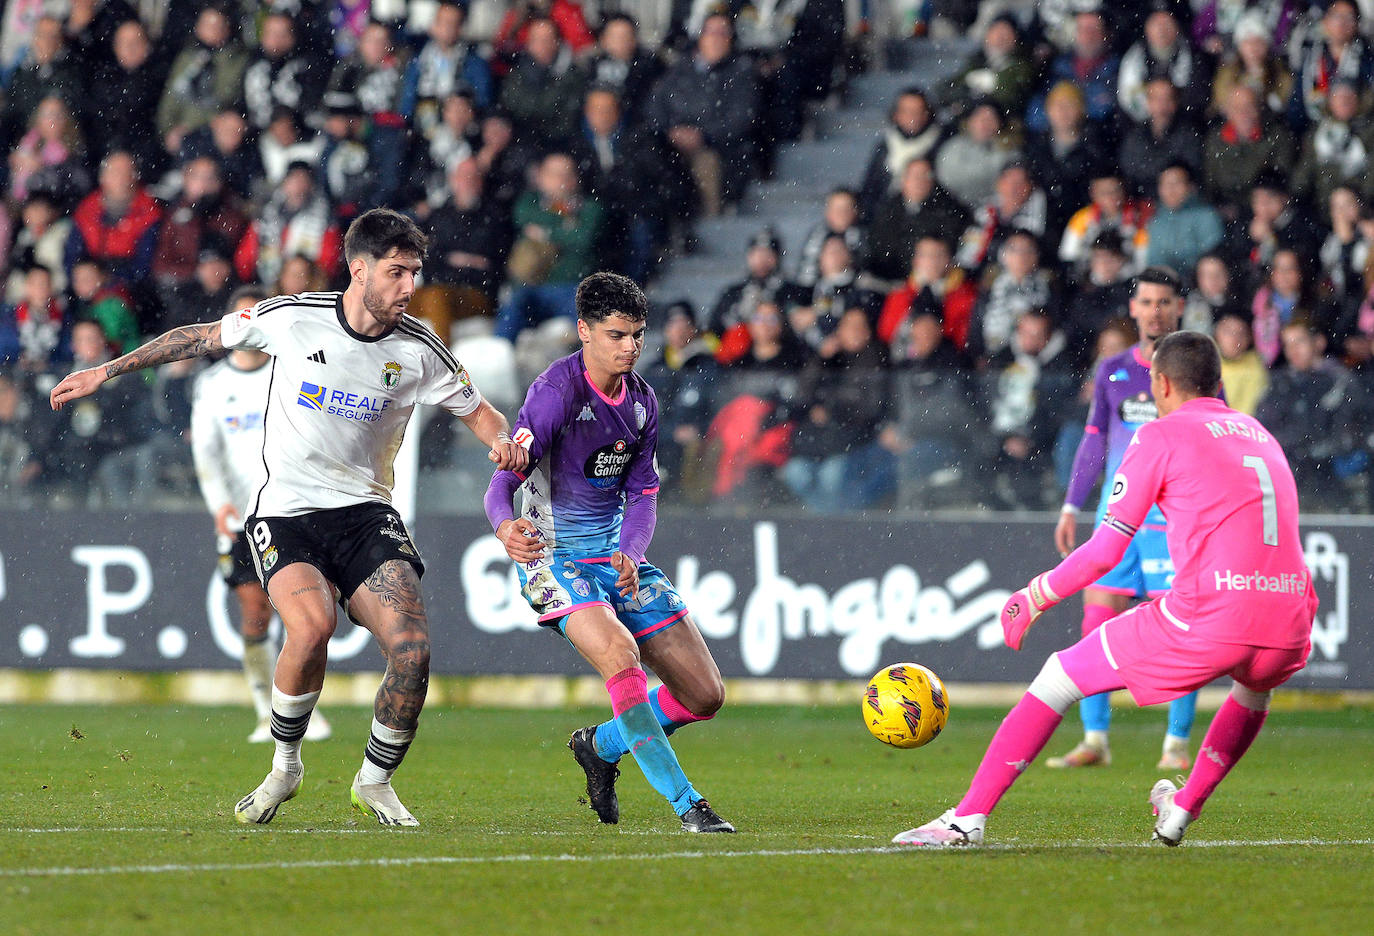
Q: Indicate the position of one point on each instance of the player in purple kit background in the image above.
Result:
(590, 425)
(1122, 404)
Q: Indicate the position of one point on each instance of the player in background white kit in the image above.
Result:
(226, 444)
(347, 370)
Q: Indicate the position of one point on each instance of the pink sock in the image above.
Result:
(1094, 616)
(675, 711)
(1229, 736)
(628, 688)
(1023, 733)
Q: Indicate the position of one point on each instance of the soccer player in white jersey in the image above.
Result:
(347, 370)
(1241, 605)
(226, 444)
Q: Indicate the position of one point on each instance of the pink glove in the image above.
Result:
(1024, 606)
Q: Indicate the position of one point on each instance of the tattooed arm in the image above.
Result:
(178, 344)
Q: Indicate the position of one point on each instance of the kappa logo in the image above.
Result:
(317, 357)
(391, 375)
(586, 415)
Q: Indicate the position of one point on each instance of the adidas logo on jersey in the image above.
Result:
(317, 357)
(586, 415)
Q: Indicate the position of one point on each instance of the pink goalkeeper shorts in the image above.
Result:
(1159, 661)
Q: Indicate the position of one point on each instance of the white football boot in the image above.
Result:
(261, 805)
(947, 831)
(379, 801)
(1171, 821)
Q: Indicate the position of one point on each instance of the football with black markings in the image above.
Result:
(905, 705)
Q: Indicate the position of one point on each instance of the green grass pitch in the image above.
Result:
(129, 829)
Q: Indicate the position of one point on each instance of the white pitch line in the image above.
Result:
(663, 856)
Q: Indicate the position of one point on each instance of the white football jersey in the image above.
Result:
(226, 434)
(338, 402)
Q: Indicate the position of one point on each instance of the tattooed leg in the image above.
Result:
(389, 605)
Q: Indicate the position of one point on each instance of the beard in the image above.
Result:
(377, 307)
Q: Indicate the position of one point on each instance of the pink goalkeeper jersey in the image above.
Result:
(1226, 489)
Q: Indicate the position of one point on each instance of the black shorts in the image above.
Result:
(236, 564)
(347, 544)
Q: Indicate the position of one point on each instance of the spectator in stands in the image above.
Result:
(350, 180)
(802, 67)
(764, 282)
(300, 274)
(1163, 52)
(470, 237)
(706, 106)
(770, 344)
(1090, 65)
(1339, 53)
(1063, 156)
(1164, 139)
(837, 463)
(628, 174)
(226, 140)
(1212, 297)
(117, 224)
(1345, 254)
(1102, 295)
(40, 240)
(543, 92)
(40, 329)
(1242, 147)
(504, 161)
(841, 218)
(46, 70)
(920, 208)
(206, 77)
(1016, 205)
(1183, 227)
(685, 377)
(622, 64)
(96, 298)
(999, 70)
(279, 74)
(910, 134)
(1016, 286)
(90, 27)
(1243, 372)
(286, 141)
(557, 231)
(935, 286)
(1284, 296)
(457, 136)
(1111, 210)
(969, 162)
(1223, 24)
(207, 291)
(125, 95)
(1254, 63)
(204, 211)
(295, 220)
(1276, 222)
(375, 76)
(51, 156)
(1027, 382)
(567, 17)
(1318, 412)
(1337, 150)
(446, 65)
(816, 315)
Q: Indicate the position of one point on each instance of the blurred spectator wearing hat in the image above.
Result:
(1103, 292)
(764, 282)
(1070, 151)
(1254, 62)
(999, 70)
(1184, 227)
(1089, 64)
(706, 106)
(969, 162)
(684, 376)
(1165, 138)
(445, 65)
(919, 208)
(1338, 53)
(1111, 210)
(911, 133)
(1242, 147)
(203, 211)
(295, 220)
(206, 76)
(1163, 52)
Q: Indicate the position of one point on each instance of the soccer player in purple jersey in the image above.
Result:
(1122, 404)
(590, 425)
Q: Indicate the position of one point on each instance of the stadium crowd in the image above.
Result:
(928, 343)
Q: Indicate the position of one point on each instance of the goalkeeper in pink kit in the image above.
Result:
(1242, 602)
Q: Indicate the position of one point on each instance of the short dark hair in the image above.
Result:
(1191, 360)
(1158, 275)
(247, 291)
(602, 295)
(378, 232)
